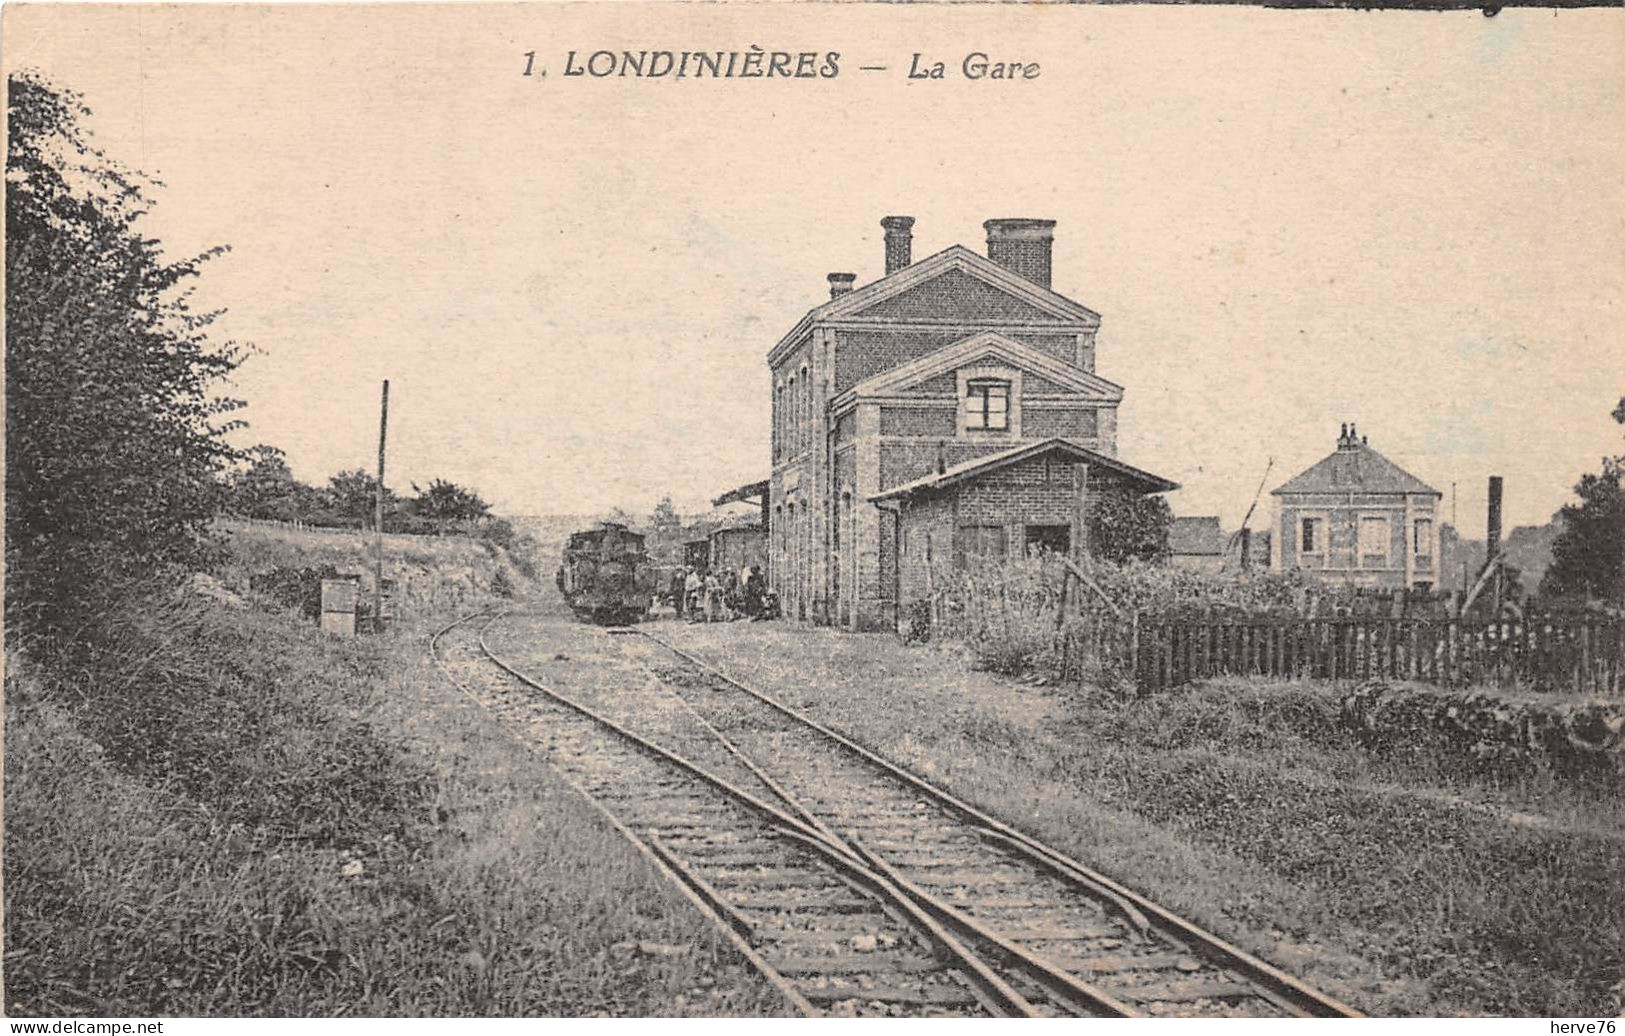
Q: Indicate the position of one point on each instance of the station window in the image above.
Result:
(1048, 539)
(978, 541)
(1312, 540)
(1373, 541)
(987, 406)
(1424, 537)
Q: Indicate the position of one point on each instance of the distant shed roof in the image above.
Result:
(1197, 535)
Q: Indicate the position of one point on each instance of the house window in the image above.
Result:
(987, 406)
(1424, 537)
(1048, 539)
(1313, 538)
(978, 541)
(1373, 542)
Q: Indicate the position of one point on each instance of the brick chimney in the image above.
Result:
(1022, 246)
(840, 284)
(899, 242)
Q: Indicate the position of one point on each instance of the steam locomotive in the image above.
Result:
(607, 576)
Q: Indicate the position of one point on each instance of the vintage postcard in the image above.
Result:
(774, 510)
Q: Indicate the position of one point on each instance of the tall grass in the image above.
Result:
(1032, 616)
(221, 813)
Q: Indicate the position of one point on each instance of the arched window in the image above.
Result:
(792, 433)
(806, 410)
(779, 421)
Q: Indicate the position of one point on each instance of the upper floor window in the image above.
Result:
(1373, 541)
(987, 406)
(1313, 538)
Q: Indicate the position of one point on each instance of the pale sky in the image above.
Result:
(1286, 220)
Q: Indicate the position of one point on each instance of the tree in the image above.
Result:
(114, 429)
(266, 488)
(1588, 557)
(352, 497)
(448, 502)
(1125, 526)
(665, 515)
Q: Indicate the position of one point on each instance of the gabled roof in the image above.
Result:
(1355, 469)
(973, 349)
(973, 469)
(954, 257)
(1196, 535)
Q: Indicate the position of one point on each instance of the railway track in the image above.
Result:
(779, 819)
(832, 934)
(929, 841)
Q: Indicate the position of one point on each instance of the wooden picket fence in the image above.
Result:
(1577, 654)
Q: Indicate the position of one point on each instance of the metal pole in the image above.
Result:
(378, 518)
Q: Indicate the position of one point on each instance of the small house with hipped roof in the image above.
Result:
(1357, 517)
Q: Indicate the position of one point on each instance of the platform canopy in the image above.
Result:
(743, 494)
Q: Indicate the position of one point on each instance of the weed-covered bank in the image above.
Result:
(222, 812)
(1394, 876)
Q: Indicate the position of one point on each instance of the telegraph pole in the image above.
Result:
(378, 518)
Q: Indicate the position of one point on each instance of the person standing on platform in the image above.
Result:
(713, 598)
(693, 590)
(679, 589)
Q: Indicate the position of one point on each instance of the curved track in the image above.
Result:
(834, 935)
(854, 886)
(1061, 911)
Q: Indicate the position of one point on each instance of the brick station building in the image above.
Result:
(948, 410)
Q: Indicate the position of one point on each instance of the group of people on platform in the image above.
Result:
(722, 595)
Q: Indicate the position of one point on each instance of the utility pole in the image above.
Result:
(378, 518)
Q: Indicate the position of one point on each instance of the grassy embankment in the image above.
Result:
(1403, 883)
(218, 811)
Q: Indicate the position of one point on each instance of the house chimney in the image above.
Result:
(1022, 246)
(899, 242)
(840, 284)
(1492, 535)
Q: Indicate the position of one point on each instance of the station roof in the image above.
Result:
(741, 494)
(973, 469)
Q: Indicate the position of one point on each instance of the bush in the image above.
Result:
(1009, 612)
(114, 432)
(501, 585)
(1492, 730)
(291, 587)
(212, 702)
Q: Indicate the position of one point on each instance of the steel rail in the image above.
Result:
(699, 894)
(989, 987)
(1279, 987)
(1082, 997)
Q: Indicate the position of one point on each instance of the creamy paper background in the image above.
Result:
(1287, 219)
